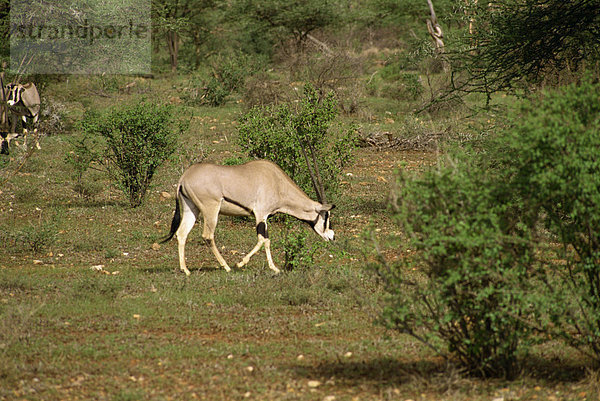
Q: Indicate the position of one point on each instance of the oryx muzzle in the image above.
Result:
(258, 188)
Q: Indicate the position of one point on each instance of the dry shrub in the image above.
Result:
(339, 72)
(52, 120)
(263, 90)
(439, 96)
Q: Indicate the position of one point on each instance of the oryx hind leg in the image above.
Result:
(188, 219)
(210, 214)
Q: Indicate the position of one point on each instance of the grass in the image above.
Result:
(141, 330)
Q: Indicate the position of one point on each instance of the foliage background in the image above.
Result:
(475, 226)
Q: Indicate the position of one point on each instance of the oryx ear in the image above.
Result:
(327, 207)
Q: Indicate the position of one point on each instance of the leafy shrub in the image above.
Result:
(552, 149)
(474, 224)
(214, 93)
(302, 142)
(130, 142)
(473, 251)
(296, 252)
(34, 238)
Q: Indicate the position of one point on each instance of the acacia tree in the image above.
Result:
(177, 19)
(521, 41)
(435, 30)
(298, 17)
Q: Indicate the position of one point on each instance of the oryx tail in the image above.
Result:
(175, 222)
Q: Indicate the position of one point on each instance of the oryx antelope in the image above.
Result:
(23, 100)
(258, 188)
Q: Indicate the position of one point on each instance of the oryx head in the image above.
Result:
(322, 224)
(14, 94)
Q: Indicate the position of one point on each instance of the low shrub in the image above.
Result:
(129, 143)
(228, 75)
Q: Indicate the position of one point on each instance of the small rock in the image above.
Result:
(156, 246)
(165, 195)
(313, 383)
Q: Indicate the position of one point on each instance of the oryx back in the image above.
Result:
(254, 187)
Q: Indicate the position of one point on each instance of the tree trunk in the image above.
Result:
(173, 45)
(320, 44)
(435, 30)
(4, 115)
(471, 16)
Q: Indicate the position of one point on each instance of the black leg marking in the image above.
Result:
(261, 229)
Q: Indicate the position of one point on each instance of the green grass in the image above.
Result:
(68, 332)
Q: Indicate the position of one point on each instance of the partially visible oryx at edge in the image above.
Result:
(258, 188)
(23, 101)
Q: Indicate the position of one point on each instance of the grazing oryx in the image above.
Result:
(23, 100)
(258, 188)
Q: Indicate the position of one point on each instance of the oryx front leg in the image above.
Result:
(263, 239)
(211, 216)
(188, 219)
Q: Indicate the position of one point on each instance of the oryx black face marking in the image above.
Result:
(258, 188)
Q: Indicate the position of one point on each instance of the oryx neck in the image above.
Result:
(301, 207)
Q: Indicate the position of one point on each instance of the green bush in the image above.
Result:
(300, 141)
(297, 253)
(552, 149)
(478, 291)
(214, 93)
(130, 142)
(467, 295)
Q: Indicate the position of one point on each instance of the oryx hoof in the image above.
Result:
(227, 268)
